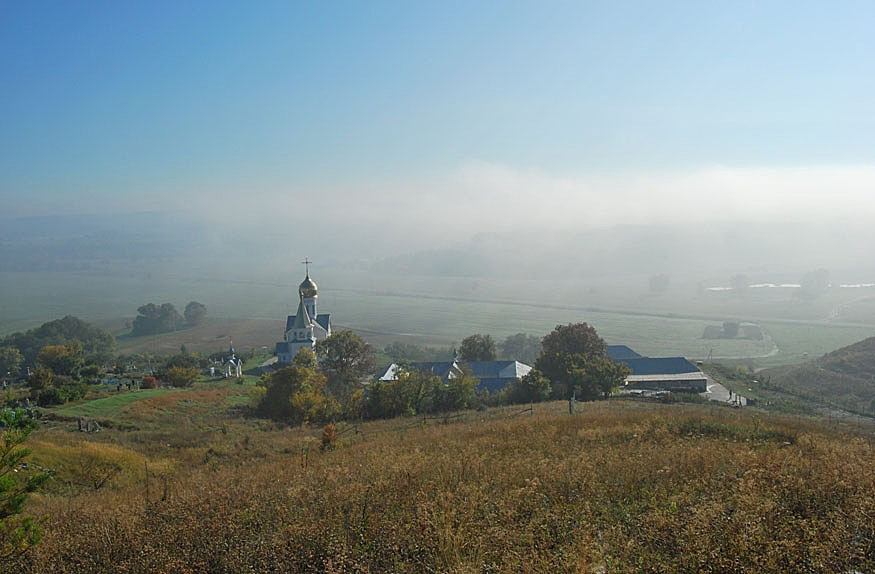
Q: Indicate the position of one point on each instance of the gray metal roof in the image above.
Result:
(620, 352)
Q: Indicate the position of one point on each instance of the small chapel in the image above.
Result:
(306, 326)
(233, 365)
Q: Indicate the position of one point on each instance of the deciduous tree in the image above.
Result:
(521, 347)
(587, 376)
(534, 387)
(574, 359)
(296, 395)
(477, 348)
(195, 313)
(181, 376)
(40, 378)
(345, 359)
(60, 332)
(62, 359)
(574, 338)
(305, 358)
(10, 362)
(153, 319)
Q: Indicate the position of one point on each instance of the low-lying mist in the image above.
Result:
(596, 240)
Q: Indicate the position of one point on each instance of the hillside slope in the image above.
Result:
(845, 377)
(618, 487)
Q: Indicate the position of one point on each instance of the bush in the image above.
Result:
(91, 373)
(181, 376)
(50, 396)
(296, 395)
(414, 393)
(456, 394)
(186, 360)
(149, 383)
(532, 388)
(63, 391)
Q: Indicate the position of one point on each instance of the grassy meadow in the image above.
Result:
(190, 483)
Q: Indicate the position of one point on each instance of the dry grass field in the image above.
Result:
(618, 487)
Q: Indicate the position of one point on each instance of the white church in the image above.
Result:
(306, 326)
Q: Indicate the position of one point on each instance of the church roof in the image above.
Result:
(324, 319)
(302, 318)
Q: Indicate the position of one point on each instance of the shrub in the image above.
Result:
(64, 390)
(181, 376)
(453, 395)
(149, 383)
(532, 388)
(413, 392)
(296, 395)
(329, 437)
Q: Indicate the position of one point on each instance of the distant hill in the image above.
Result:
(94, 242)
(845, 377)
(715, 248)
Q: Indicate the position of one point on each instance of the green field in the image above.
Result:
(108, 407)
(442, 310)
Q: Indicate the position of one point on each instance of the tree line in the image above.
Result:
(19, 350)
(63, 356)
(522, 347)
(155, 319)
(332, 383)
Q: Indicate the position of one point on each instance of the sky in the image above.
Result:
(534, 113)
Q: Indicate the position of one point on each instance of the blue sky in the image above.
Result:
(132, 105)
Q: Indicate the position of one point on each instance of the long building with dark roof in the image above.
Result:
(659, 373)
(493, 375)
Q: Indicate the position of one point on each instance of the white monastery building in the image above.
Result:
(306, 326)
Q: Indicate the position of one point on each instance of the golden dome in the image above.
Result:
(307, 288)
